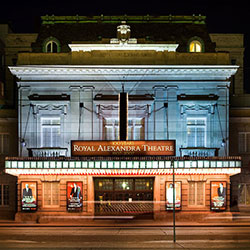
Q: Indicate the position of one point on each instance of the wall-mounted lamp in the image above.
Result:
(223, 143)
(23, 143)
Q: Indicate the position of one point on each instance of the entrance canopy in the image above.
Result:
(122, 165)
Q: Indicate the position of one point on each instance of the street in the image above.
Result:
(66, 237)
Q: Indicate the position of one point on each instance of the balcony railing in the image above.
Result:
(47, 152)
(199, 152)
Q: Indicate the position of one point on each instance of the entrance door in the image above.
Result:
(124, 196)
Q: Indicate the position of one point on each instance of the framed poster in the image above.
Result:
(218, 199)
(170, 197)
(74, 196)
(28, 196)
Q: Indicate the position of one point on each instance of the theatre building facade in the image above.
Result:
(110, 109)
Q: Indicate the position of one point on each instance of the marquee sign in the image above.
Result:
(115, 148)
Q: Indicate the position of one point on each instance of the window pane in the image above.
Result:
(137, 133)
(242, 194)
(104, 184)
(197, 47)
(200, 193)
(191, 194)
(54, 47)
(5, 195)
(124, 184)
(247, 194)
(47, 194)
(191, 137)
(196, 132)
(130, 133)
(143, 184)
(49, 47)
(51, 133)
(200, 137)
(4, 144)
(46, 140)
(241, 141)
(55, 193)
(109, 132)
(247, 142)
(55, 137)
(51, 193)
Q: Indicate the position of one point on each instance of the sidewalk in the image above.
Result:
(126, 223)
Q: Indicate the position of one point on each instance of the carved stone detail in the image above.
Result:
(197, 107)
(50, 107)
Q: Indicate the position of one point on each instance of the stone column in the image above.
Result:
(89, 123)
(159, 113)
(74, 112)
(172, 118)
(222, 120)
(24, 115)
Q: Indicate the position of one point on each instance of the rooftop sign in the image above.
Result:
(114, 148)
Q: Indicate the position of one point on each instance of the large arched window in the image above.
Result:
(195, 45)
(51, 45)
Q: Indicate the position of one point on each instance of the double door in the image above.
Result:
(124, 196)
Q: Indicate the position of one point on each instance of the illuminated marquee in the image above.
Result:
(114, 148)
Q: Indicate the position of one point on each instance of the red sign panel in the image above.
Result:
(115, 148)
(74, 196)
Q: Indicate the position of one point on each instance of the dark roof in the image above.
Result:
(163, 29)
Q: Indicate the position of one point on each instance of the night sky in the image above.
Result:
(223, 16)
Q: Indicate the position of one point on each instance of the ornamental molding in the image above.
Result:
(50, 107)
(197, 107)
(123, 46)
(213, 72)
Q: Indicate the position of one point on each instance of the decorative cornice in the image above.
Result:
(123, 46)
(165, 72)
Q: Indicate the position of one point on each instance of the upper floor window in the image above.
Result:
(196, 132)
(244, 142)
(4, 195)
(195, 44)
(51, 45)
(50, 131)
(4, 143)
(244, 194)
(135, 129)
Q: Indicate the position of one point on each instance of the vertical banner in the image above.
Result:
(169, 195)
(28, 196)
(74, 196)
(218, 195)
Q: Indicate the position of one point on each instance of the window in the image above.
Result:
(51, 47)
(196, 193)
(195, 46)
(50, 129)
(196, 132)
(244, 194)
(4, 195)
(4, 144)
(135, 129)
(51, 194)
(111, 129)
(244, 142)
